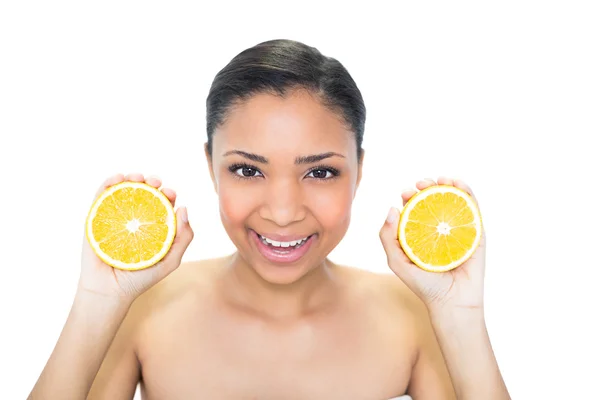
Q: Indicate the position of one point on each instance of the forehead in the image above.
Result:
(297, 122)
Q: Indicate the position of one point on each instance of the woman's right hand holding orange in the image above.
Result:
(102, 279)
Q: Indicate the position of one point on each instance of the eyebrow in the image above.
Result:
(249, 156)
(316, 158)
(299, 160)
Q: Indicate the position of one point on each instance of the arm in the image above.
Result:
(454, 299)
(429, 377)
(466, 346)
(96, 345)
(81, 348)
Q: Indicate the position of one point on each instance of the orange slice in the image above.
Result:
(440, 228)
(131, 226)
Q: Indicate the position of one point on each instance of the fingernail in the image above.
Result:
(391, 215)
(408, 190)
(184, 214)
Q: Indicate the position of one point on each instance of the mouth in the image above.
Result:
(282, 252)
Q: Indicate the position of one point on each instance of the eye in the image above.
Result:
(320, 173)
(244, 171)
(323, 173)
(247, 172)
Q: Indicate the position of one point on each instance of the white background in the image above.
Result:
(505, 95)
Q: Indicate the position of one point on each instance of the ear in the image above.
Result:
(359, 172)
(210, 166)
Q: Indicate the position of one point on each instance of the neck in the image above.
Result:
(246, 290)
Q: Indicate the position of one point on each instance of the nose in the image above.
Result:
(283, 203)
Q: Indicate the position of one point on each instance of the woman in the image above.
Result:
(278, 319)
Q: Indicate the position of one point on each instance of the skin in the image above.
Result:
(240, 327)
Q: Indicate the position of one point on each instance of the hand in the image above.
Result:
(100, 278)
(460, 288)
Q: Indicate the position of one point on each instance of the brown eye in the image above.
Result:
(321, 173)
(246, 172)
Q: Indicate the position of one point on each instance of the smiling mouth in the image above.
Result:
(283, 245)
(282, 251)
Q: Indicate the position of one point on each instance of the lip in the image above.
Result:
(281, 257)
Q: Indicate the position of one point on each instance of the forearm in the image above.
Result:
(468, 353)
(81, 347)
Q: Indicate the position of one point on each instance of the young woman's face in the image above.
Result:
(286, 172)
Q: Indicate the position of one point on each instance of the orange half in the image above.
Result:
(131, 226)
(440, 228)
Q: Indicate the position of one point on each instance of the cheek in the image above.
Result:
(235, 204)
(332, 207)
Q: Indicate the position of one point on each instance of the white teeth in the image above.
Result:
(275, 243)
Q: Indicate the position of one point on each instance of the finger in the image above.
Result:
(397, 260)
(444, 180)
(171, 195)
(113, 180)
(389, 238)
(182, 240)
(425, 183)
(134, 177)
(154, 181)
(463, 186)
(407, 194)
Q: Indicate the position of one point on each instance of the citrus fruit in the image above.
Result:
(440, 228)
(131, 226)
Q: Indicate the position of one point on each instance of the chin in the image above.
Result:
(280, 274)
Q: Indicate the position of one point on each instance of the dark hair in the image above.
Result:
(276, 67)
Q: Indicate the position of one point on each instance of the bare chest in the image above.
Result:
(223, 358)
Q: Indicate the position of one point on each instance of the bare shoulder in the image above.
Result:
(192, 278)
(394, 307)
(384, 290)
(407, 317)
(173, 298)
(147, 321)
(396, 317)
